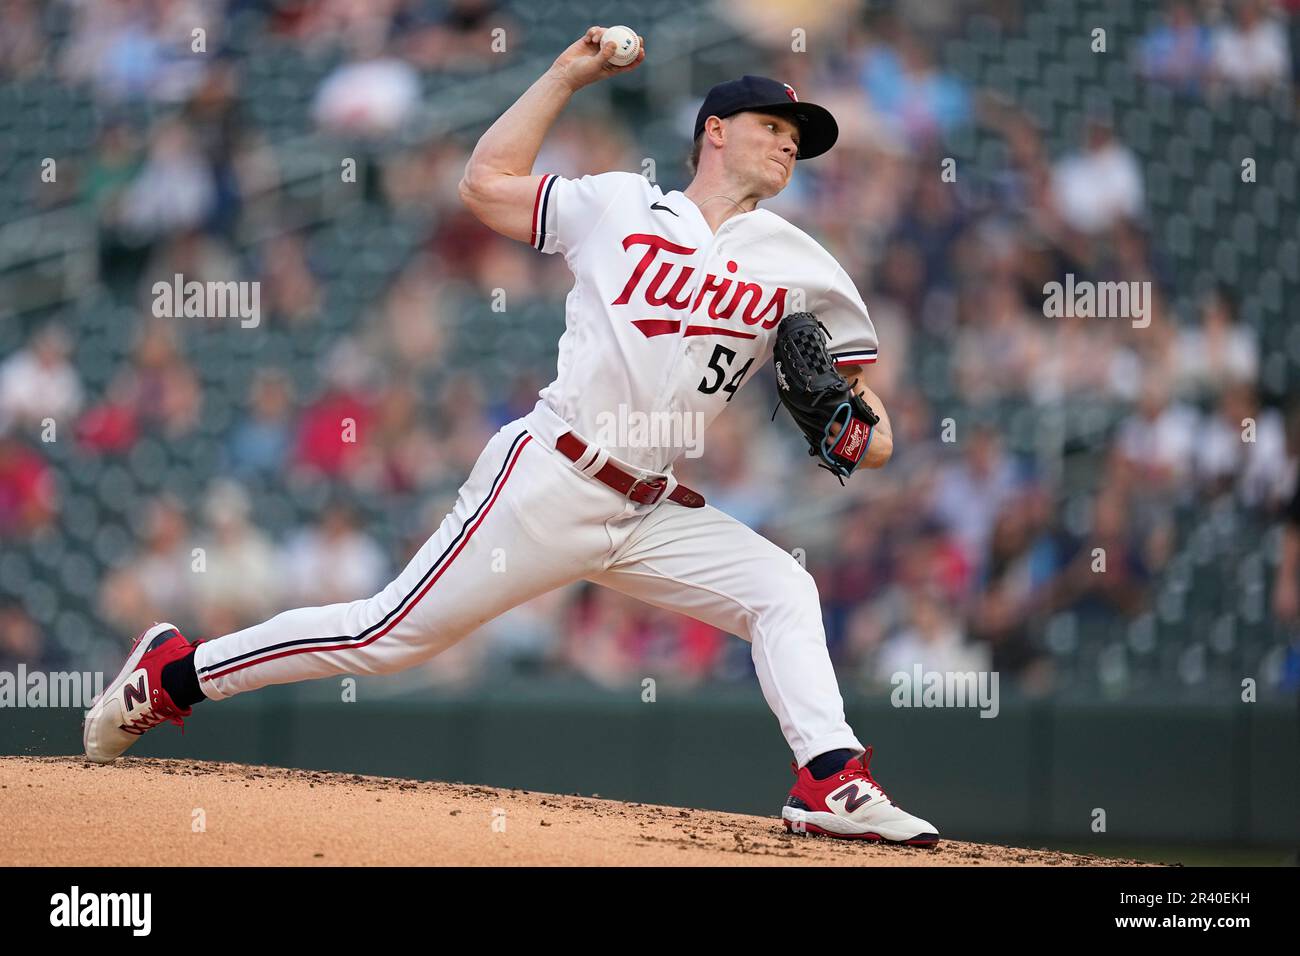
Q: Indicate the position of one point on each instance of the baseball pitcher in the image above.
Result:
(678, 299)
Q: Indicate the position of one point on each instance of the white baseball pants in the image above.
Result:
(527, 520)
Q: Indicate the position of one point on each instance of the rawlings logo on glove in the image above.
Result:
(817, 396)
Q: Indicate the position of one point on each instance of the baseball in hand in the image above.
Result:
(628, 44)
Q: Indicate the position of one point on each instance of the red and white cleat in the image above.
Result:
(136, 701)
(850, 804)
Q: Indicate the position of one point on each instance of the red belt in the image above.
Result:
(644, 491)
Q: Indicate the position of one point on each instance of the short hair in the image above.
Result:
(693, 160)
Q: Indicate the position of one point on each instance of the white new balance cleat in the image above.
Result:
(136, 701)
(850, 804)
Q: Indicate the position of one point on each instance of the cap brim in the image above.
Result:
(817, 127)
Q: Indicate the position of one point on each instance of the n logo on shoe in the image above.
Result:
(852, 796)
(134, 694)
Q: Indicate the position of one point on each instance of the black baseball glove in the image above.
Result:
(817, 396)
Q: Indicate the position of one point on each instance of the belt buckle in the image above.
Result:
(658, 484)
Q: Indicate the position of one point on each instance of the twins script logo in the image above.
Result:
(728, 295)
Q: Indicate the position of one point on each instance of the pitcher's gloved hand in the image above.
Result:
(818, 397)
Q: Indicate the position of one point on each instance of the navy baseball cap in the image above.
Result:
(817, 128)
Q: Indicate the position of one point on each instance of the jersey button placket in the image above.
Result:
(685, 346)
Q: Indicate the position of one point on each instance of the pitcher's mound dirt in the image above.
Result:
(66, 811)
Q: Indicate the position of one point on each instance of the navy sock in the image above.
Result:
(181, 682)
(832, 761)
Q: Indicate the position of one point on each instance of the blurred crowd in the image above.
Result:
(953, 557)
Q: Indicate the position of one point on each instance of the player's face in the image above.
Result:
(765, 145)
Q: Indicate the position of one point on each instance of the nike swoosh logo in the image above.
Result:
(661, 208)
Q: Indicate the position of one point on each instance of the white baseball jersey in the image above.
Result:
(667, 316)
(664, 316)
